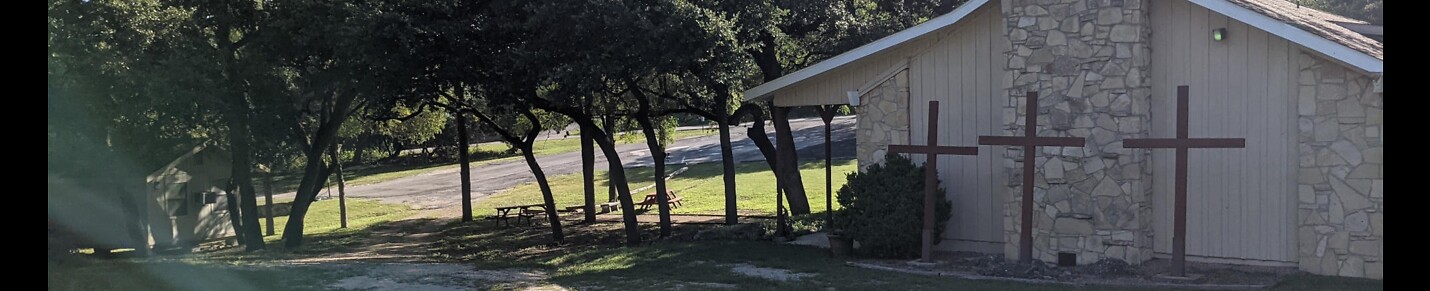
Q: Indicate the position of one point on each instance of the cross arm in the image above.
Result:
(1188, 143)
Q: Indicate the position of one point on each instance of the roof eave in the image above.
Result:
(765, 90)
(1351, 57)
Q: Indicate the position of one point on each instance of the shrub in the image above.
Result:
(883, 209)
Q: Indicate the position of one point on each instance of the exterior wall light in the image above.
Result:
(1219, 34)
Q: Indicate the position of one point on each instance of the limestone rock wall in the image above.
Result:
(883, 119)
(1341, 185)
(1089, 60)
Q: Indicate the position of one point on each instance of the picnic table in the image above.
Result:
(650, 199)
(504, 213)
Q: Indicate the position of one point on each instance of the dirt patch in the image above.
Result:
(772, 274)
(705, 285)
(370, 283)
(1104, 272)
(434, 277)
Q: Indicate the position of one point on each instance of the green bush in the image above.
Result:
(883, 209)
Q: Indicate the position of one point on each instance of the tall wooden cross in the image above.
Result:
(1030, 141)
(931, 174)
(1182, 143)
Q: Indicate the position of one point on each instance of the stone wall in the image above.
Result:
(1089, 61)
(883, 119)
(1341, 209)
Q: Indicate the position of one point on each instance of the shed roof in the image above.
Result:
(173, 165)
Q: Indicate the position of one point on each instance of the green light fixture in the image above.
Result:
(1219, 34)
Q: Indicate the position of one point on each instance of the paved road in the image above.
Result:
(440, 189)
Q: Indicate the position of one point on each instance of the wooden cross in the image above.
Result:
(1182, 143)
(1030, 141)
(931, 174)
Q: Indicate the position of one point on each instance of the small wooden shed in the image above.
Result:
(187, 199)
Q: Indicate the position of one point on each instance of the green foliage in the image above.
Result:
(883, 208)
(126, 88)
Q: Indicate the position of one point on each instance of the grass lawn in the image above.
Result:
(323, 219)
(487, 153)
(701, 188)
(593, 259)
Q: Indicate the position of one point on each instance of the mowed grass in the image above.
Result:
(593, 258)
(323, 218)
(701, 188)
(484, 154)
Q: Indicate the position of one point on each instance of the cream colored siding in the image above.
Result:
(963, 69)
(830, 87)
(1241, 202)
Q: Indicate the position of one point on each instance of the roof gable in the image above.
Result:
(1313, 29)
(883, 44)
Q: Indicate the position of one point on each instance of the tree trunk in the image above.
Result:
(239, 136)
(767, 57)
(466, 171)
(314, 173)
(657, 154)
(396, 151)
(609, 137)
(342, 185)
(727, 161)
(588, 174)
(788, 162)
(623, 191)
(268, 199)
(240, 170)
(548, 198)
(358, 146)
(231, 204)
(756, 132)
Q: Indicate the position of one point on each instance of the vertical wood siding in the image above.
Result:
(963, 69)
(1241, 202)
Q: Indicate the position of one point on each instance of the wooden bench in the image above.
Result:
(650, 199)
(608, 207)
(504, 213)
